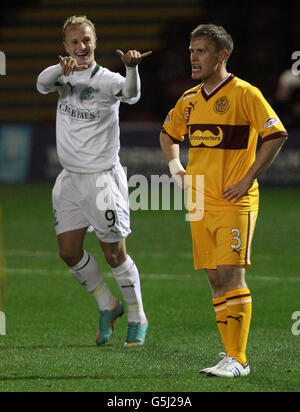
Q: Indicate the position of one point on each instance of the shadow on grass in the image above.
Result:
(88, 377)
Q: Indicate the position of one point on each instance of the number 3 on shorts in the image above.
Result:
(236, 238)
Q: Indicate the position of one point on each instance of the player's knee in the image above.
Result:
(225, 278)
(114, 259)
(71, 258)
(218, 285)
(228, 278)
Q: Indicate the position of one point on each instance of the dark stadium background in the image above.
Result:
(265, 34)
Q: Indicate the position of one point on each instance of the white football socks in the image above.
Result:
(87, 273)
(127, 276)
(128, 279)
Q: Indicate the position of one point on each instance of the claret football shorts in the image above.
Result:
(99, 200)
(223, 238)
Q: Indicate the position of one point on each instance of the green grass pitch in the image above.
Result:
(52, 321)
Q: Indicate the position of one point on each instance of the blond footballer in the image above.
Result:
(92, 188)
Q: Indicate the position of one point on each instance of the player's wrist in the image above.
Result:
(175, 167)
(131, 68)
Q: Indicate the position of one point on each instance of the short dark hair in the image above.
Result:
(217, 34)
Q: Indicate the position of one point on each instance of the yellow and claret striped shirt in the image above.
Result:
(223, 128)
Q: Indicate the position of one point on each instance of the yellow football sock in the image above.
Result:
(239, 310)
(220, 308)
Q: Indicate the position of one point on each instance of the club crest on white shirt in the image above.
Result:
(88, 94)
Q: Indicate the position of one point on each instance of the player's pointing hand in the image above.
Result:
(132, 57)
(69, 65)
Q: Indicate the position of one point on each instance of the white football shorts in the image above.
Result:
(99, 200)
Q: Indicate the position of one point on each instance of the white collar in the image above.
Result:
(220, 84)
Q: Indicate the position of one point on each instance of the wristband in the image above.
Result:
(175, 167)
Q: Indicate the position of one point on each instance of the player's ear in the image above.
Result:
(96, 40)
(223, 55)
(65, 46)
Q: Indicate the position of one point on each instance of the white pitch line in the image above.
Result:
(43, 272)
(46, 254)
(28, 271)
(154, 255)
(30, 253)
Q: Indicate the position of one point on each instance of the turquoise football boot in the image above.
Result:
(136, 333)
(106, 324)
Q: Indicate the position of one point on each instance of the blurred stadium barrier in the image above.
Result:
(31, 39)
(28, 153)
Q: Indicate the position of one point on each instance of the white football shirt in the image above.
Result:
(87, 122)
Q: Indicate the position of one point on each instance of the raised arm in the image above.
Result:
(47, 79)
(132, 85)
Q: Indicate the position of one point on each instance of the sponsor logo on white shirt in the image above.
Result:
(78, 114)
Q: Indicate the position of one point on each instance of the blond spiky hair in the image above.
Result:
(73, 20)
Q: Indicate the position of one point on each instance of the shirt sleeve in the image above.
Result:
(48, 79)
(119, 84)
(175, 125)
(261, 115)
